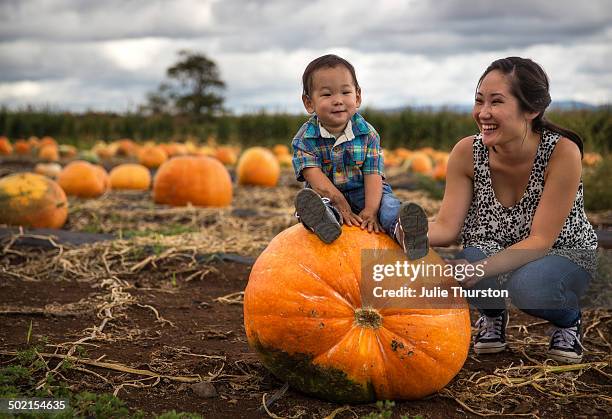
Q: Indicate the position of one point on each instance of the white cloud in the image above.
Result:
(108, 55)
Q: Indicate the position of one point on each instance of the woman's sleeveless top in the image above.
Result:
(491, 227)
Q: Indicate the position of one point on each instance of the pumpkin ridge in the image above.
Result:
(336, 292)
(402, 340)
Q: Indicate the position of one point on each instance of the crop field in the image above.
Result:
(135, 308)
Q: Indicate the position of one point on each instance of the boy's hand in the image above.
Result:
(370, 221)
(348, 216)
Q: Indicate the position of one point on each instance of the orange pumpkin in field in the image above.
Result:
(316, 324)
(51, 170)
(32, 200)
(420, 163)
(226, 155)
(5, 146)
(130, 176)
(46, 140)
(22, 147)
(258, 166)
(201, 181)
(152, 156)
(83, 179)
(48, 152)
(280, 150)
(126, 147)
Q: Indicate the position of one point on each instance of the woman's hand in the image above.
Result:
(370, 221)
(466, 273)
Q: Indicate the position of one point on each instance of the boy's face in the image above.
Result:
(333, 97)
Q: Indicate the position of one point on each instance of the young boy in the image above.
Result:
(337, 152)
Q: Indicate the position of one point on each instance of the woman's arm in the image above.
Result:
(457, 195)
(561, 185)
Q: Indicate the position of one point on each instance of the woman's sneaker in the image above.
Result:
(411, 230)
(491, 335)
(311, 210)
(565, 345)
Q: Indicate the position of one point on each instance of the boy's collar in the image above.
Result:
(358, 125)
(347, 133)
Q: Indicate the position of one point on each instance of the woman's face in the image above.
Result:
(497, 112)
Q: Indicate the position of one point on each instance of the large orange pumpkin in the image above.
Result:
(258, 166)
(201, 181)
(130, 176)
(152, 156)
(83, 179)
(305, 315)
(32, 200)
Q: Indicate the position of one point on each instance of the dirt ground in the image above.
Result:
(148, 315)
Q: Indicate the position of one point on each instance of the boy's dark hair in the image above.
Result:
(325, 61)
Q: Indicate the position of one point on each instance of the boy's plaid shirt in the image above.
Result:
(346, 163)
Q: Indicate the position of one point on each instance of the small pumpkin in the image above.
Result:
(130, 176)
(258, 166)
(47, 140)
(22, 147)
(32, 200)
(201, 181)
(48, 152)
(126, 147)
(306, 316)
(67, 151)
(280, 150)
(6, 147)
(83, 179)
(51, 170)
(152, 156)
(226, 155)
(420, 163)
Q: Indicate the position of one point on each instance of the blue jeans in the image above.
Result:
(387, 212)
(549, 288)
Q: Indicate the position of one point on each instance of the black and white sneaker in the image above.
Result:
(565, 345)
(491, 335)
(411, 230)
(311, 210)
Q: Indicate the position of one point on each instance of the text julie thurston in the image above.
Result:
(412, 271)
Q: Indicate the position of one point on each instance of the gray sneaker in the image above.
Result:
(316, 216)
(491, 335)
(565, 345)
(411, 230)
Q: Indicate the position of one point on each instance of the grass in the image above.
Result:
(384, 410)
(597, 190)
(20, 379)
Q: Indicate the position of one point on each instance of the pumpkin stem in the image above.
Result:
(368, 317)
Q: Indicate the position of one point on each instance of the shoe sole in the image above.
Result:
(414, 223)
(313, 213)
(561, 357)
(490, 350)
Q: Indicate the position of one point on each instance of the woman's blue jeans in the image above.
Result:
(549, 288)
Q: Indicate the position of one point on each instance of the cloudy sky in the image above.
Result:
(79, 55)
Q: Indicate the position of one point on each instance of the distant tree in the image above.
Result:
(194, 88)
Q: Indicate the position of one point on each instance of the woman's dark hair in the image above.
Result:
(529, 84)
(325, 61)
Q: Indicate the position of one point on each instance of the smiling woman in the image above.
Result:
(514, 194)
